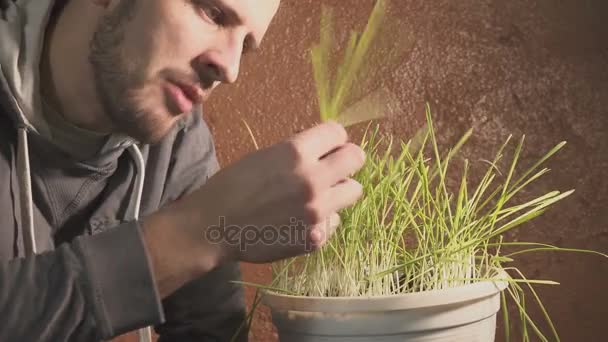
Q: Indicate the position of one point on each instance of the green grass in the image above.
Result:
(412, 232)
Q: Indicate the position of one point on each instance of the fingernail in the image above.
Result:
(363, 156)
(335, 220)
(315, 236)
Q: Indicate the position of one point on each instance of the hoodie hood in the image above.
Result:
(22, 33)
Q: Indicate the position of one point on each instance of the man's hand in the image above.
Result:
(276, 203)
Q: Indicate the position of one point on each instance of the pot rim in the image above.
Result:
(425, 299)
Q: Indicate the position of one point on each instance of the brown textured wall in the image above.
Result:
(538, 68)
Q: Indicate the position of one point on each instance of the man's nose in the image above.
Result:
(224, 60)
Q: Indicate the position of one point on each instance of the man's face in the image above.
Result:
(154, 60)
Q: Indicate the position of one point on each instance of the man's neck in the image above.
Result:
(67, 81)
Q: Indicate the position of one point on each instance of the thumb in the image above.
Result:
(322, 232)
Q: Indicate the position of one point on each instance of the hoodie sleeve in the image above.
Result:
(211, 308)
(96, 287)
(208, 309)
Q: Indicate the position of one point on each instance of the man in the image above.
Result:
(109, 176)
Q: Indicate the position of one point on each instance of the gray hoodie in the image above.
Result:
(73, 266)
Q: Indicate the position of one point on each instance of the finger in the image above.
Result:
(322, 232)
(320, 140)
(341, 164)
(343, 195)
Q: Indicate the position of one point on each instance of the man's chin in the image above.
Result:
(152, 131)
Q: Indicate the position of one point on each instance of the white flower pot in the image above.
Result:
(466, 313)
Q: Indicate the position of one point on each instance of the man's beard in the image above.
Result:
(117, 83)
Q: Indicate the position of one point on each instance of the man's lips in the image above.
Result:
(184, 96)
(194, 93)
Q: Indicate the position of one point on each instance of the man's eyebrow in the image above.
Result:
(234, 19)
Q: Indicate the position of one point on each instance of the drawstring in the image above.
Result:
(145, 334)
(27, 203)
(141, 177)
(25, 193)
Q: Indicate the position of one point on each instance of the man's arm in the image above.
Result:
(211, 307)
(97, 287)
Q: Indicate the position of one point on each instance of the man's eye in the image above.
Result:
(209, 11)
(213, 13)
